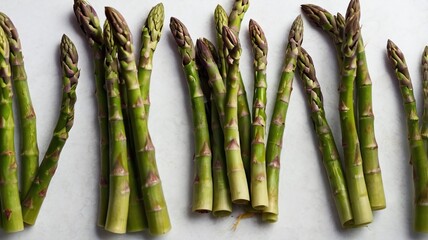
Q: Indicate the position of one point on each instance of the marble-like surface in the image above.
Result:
(306, 207)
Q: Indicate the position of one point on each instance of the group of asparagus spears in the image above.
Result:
(21, 203)
(131, 195)
(417, 133)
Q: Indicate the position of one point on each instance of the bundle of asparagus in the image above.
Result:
(364, 186)
(416, 135)
(233, 161)
(22, 204)
(131, 196)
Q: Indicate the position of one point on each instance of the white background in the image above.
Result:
(306, 207)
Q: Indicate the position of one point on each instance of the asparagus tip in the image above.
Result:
(296, 31)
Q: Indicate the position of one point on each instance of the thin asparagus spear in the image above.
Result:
(90, 25)
(277, 124)
(222, 204)
(150, 36)
(358, 196)
(366, 133)
(9, 192)
(202, 184)
(117, 212)
(32, 202)
(418, 156)
(259, 195)
(236, 16)
(424, 127)
(154, 200)
(235, 168)
(29, 150)
(221, 20)
(327, 145)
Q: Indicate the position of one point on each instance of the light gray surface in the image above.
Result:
(306, 208)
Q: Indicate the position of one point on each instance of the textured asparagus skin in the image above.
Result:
(424, 127)
(119, 191)
(327, 145)
(88, 21)
(277, 125)
(9, 192)
(366, 133)
(259, 195)
(358, 196)
(418, 155)
(32, 202)
(29, 150)
(154, 200)
(221, 20)
(203, 186)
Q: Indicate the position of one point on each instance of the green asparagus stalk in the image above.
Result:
(259, 195)
(424, 127)
(235, 168)
(277, 125)
(221, 20)
(117, 212)
(236, 16)
(150, 36)
(366, 133)
(32, 202)
(202, 184)
(327, 145)
(29, 150)
(358, 196)
(154, 200)
(418, 156)
(90, 25)
(9, 192)
(222, 204)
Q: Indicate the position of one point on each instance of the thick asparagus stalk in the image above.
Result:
(235, 168)
(418, 156)
(327, 145)
(222, 204)
(9, 192)
(236, 16)
(277, 125)
(117, 212)
(424, 127)
(90, 25)
(29, 150)
(366, 133)
(32, 202)
(154, 200)
(202, 184)
(150, 36)
(358, 196)
(259, 195)
(221, 20)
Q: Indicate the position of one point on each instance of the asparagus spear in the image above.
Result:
(117, 212)
(222, 204)
(154, 200)
(150, 36)
(202, 184)
(29, 150)
(9, 193)
(327, 145)
(221, 20)
(90, 25)
(32, 202)
(358, 196)
(277, 125)
(418, 156)
(366, 133)
(259, 195)
(236, 16)
(235, 168)
(424, 128)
